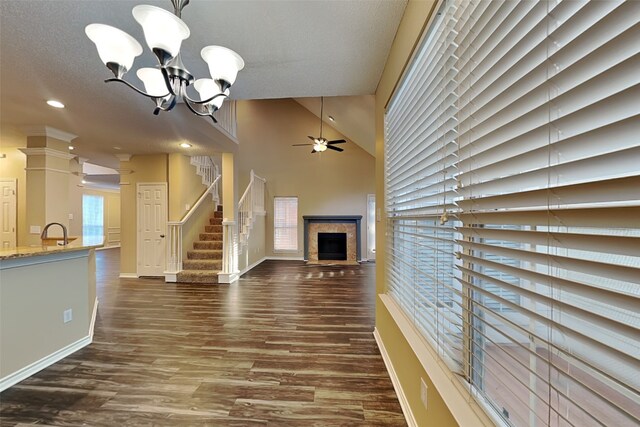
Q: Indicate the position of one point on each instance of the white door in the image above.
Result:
(152, 226)
(371, 227)
(7, 213)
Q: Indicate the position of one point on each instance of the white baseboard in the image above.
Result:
(128, 276)
(45, 362)
(402, 398)
(54, 357)
(255, 264)
(170, 277)
(228, 277)
(284, 258)
(93, 319)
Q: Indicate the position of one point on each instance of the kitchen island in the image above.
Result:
(47, 306)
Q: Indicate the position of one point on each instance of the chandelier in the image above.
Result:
(167, 83)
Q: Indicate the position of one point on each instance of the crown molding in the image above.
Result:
(123, 157)
(48, 132)
(46, 151)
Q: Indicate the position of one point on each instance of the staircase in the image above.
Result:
(250, 205)
(204, 262)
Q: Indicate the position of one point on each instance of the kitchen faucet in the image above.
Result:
(65, 238)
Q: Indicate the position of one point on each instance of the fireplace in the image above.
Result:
(315, 229)
(332, 246)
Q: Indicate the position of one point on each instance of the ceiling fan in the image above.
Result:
(321, 144)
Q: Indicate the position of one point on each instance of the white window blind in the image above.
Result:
(285, 223)
(512, 172)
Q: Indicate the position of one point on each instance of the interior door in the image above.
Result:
(371, 227)
(8, 213)
(152, 226)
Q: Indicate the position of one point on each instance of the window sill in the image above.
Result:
(455, 393)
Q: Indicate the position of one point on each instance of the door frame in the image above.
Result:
(139, 220)
(14, 181)
(371, 243)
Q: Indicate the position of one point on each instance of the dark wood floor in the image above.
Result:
(289, 345)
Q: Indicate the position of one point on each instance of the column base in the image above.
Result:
(228, 277)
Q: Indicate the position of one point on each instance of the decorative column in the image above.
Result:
(229, 273)
(47, 195)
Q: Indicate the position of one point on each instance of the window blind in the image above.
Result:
(92, 218)
(512, 174)
(285, 223)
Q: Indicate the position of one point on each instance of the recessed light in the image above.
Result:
(84, 182)
(55, 104)
(332, 119)
(71, 147)
(117, 148)
(185, 145)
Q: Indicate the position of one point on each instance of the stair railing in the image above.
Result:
(209, 171)
(250, 205)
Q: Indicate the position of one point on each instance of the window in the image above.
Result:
(512, 168)
(92, 219)
(285, 224)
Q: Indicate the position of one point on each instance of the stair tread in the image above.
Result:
(200, 272)
(202, 261)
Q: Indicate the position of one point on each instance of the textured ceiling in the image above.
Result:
(291, 49)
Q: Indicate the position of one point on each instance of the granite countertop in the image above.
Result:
(80, 243)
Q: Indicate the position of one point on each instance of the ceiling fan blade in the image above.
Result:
(298, 145)
(330, 147)
(337, 141)
(311, 137)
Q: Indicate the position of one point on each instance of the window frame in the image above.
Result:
(290, 227)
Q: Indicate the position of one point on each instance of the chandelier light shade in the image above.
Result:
(208, 88)
(114, 45)
(167, 83)
(153, 82)
(162, 29)
(224, 64)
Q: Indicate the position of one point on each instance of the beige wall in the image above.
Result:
(330, 183)
(405, 362)
(148, 168)
(33, 298)
(185, 187)
(13, 167)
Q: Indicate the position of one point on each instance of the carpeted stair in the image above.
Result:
(204, 262)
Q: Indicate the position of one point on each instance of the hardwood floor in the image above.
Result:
(288, 345)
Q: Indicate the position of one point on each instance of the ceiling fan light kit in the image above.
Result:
(167, 83)
(321, 144)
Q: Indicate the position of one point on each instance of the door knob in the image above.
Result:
(162, 235)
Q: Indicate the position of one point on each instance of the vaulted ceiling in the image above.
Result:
(292, 49)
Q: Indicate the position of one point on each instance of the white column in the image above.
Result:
(229, 273)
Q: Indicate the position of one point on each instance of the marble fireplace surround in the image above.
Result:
(314, 224)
